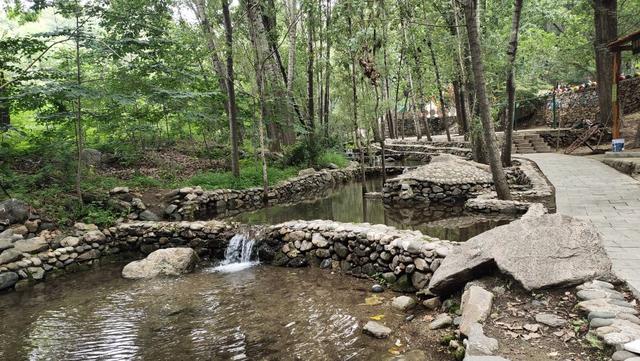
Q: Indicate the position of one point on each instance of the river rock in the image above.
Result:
(403, 303)
(478, 344)
(166, 262)
(31, 245)
(147, 215)
(13, 211)
(306, 172)
(10, 255)
(8, 279)
(376, 329)
(94, 236)
(37, 273)
(476, 307)
(633, 346)
(70, 241)
(319, 241)
(341, 250)
(622, 355)
(539, 252)
(441, 321)
(413, 355)
(5, 244)
(550, 319)
(377, 288)
(432, 303)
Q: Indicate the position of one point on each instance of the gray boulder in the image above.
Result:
(165, 262)
(31, 245)
(9, 255)
(306, 172)
(147, 215)
(13, 211)
(91, 157)
(476, 307)
(8, 279)
(376, 329)
(539, 252)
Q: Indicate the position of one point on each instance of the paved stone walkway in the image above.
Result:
(589, 189)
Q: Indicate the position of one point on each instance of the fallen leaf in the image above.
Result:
(373, 300)
(377, 317)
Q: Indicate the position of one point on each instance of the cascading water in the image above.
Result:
(237, 256)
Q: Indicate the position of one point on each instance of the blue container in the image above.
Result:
(617, 145)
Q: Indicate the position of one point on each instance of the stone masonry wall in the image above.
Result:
(31, 260)
(194, 203)
(404, 259)
(578, 105)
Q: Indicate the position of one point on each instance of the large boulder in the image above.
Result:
(13, 211)
(539, 252)
(165, 262)
(31, 245)
(8, 279)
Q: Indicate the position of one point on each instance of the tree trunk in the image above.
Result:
(291, 66)
(416, 121)
(354, 95)
(231, 93)
(445, 124)
(327, 74)
(310, 90)
(463, 111)
(511, 84)
(79, 131)
(606, 27)
(5, 109)
(499, 178)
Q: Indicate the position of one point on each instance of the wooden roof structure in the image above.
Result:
(627, 42)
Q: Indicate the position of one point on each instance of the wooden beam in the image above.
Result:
(624, 39)
(615, 104)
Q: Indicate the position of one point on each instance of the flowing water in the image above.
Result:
(346, 204)
(261, 313)
(238, 254)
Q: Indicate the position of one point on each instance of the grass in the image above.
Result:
(331, 156)
(250, 176)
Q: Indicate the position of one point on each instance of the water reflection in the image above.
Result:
(263, 313)
(346, 204)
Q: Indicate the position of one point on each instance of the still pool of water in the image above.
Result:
(260, 313)
(346, 204)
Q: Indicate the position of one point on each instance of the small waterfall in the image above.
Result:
(237, 256)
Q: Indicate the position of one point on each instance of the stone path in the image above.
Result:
(589, 189)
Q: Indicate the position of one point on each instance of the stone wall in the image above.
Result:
(50, 253)
(578, 105)
(431, 148)
(192, 203)
(404, 259)
(410, 125)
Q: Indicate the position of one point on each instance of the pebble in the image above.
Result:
(441, 321)
(403, 303)
(432, 303)
(622, 355)
(550, 319)
(409, 318)
(600, 322)
(377, 288)
(633, 346)
(376, 329)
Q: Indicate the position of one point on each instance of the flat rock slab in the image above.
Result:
(633, 346)
(550, 319)
(476, 307)
(539, 252)
(163, 262)
(32, 245)
(376, 329)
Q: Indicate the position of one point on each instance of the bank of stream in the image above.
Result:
(345, 203)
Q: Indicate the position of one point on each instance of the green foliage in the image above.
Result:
(332, 156)
(97, 214)
(250, 176)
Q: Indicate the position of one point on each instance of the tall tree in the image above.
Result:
(443, 113)
(497, 172)
(606, 26)
(511, 84)
(231, 92)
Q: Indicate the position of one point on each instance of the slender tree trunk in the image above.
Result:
(404, 111)
(231, 93)
(416, 121)
(327, 73)
(79, 131)
(291, 66)
(382, 149)
(511, 84)
(445, 123)
(5, 109)
(606, 26)
(499, 178)
(310, 90)
(463, 111)
(263, 155)
(354, 97)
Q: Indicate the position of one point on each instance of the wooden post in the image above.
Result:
(615, 104)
